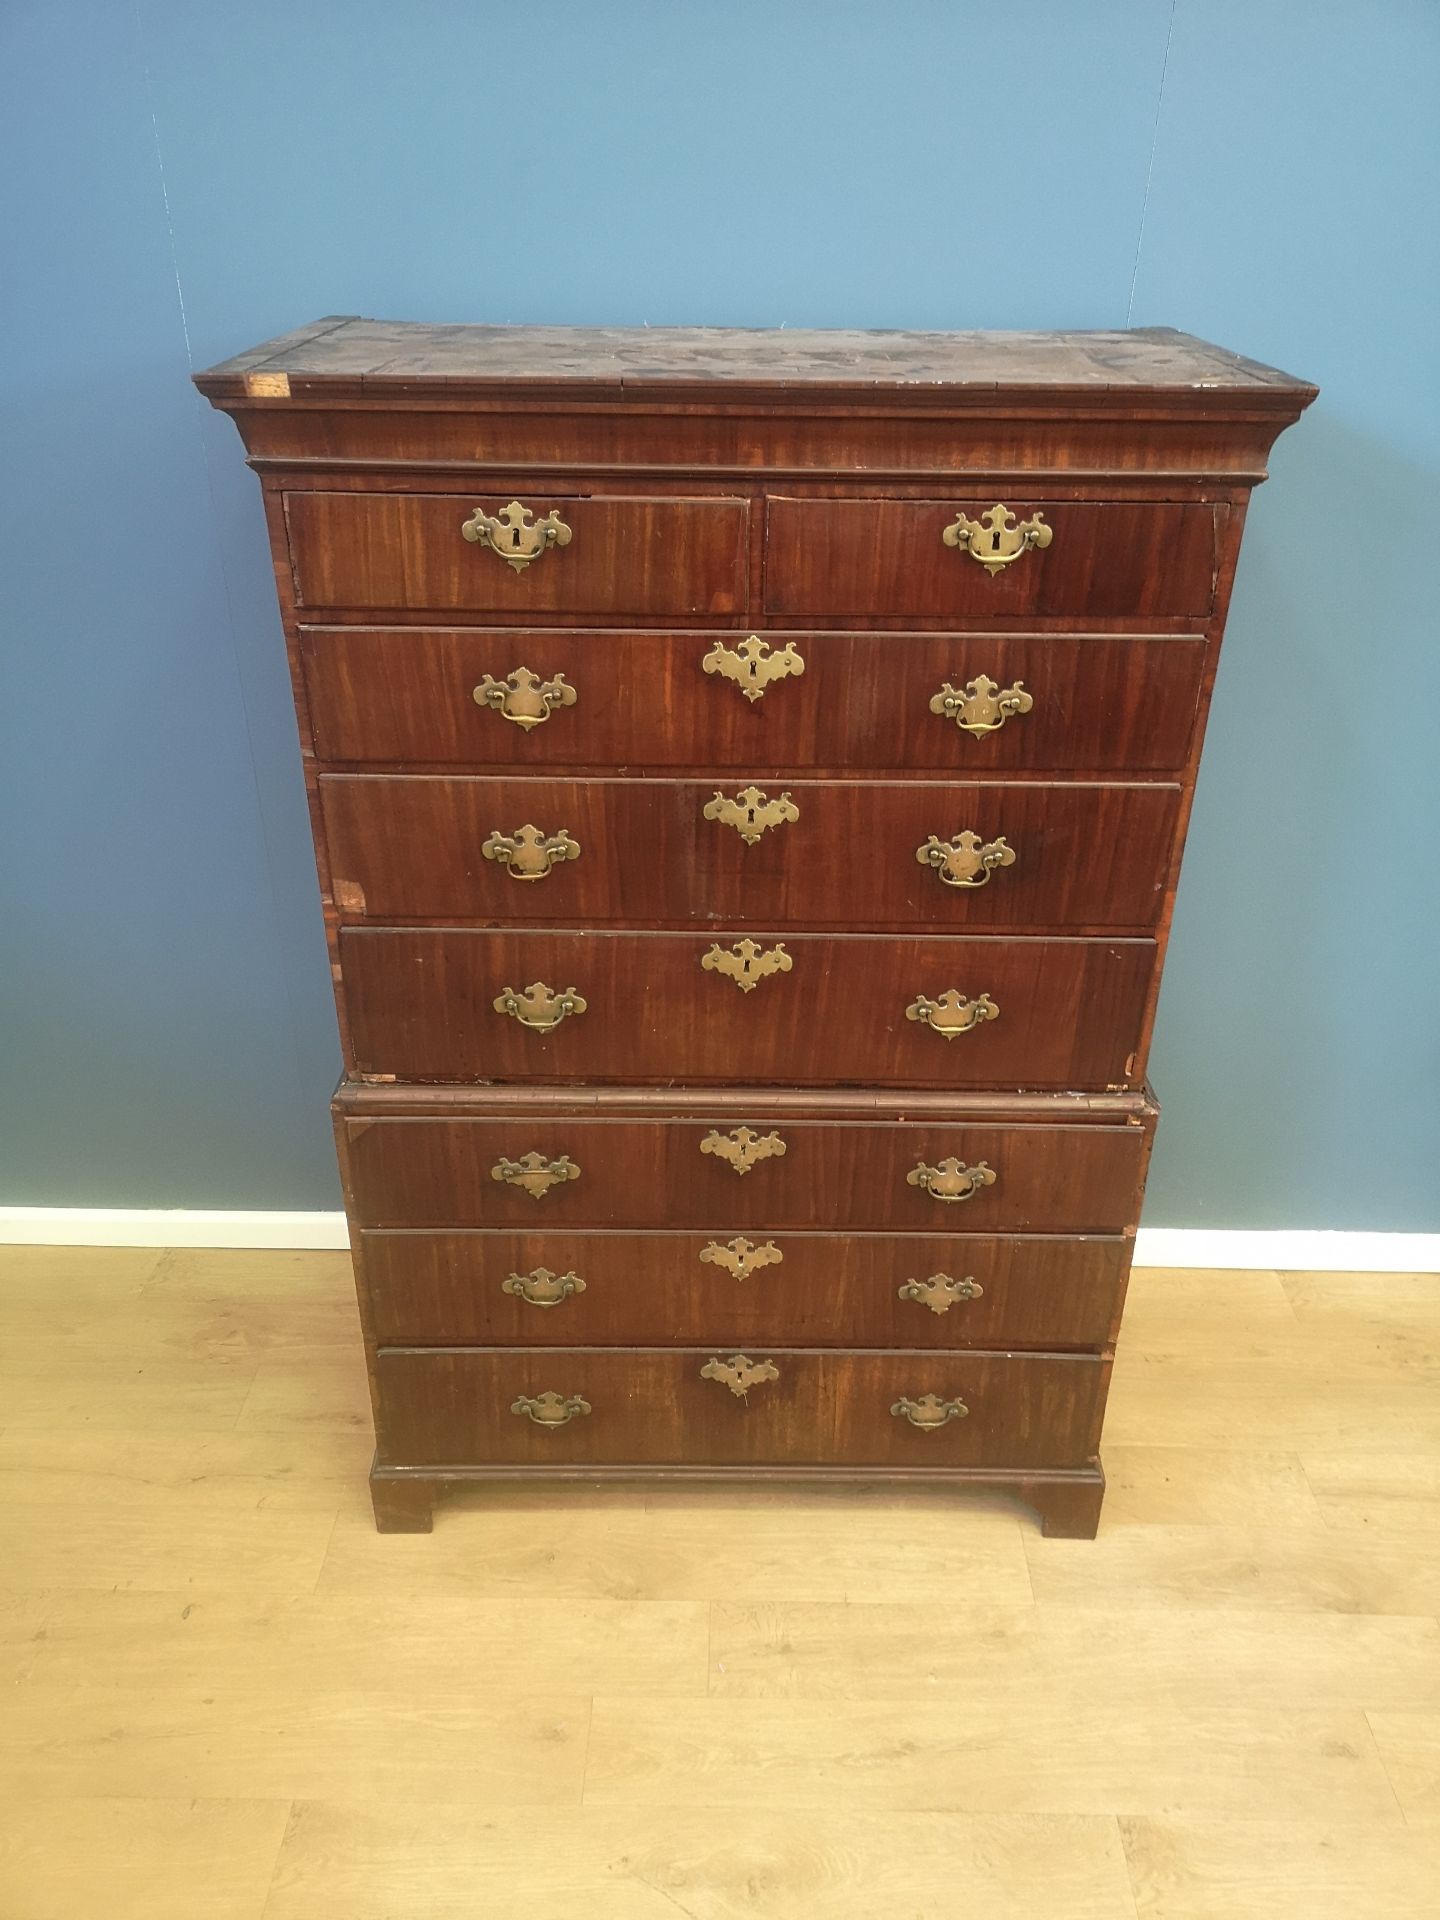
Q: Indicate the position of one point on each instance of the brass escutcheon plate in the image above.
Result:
(529, 854)
(952, 1181)
(939, 1293)
(539, 1007)
(534, 1174)
(741, 1257)
(746, 963)
(523, 698)
(981, 705)
(515, 534)
(739, 1373)
(751, 666)
(965, 860)
(542, 1288)
(742, 1148)
(998, 538)
(751, 812)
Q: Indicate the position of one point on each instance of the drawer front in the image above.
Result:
(649, 1407)
(806, 1009)
(623, 556)
(1107, 559)
(1091, 702)
(412, 847)
(550, 1288)
(561, 1173)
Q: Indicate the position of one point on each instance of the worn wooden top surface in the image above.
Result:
(344, 354)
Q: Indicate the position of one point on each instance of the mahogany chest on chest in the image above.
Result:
(749, 773)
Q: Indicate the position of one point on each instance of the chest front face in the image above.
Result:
(748, 738)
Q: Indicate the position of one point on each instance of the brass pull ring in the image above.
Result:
(751, 812)
(551, 1409)
(739, 1373)
(752, 666)
(524, 698)
(952, 1014)
(981, 705)
(542, 1288)
(939, 1293)
(746, 963)
(952, 1181)
(741, 1148)
(965, 860)
(529, 854)
(539, 1007)
(741, 1257)
(997, 539)
(929, 1412)
(534, 1174)
(515, 534)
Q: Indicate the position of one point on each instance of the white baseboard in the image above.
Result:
(1288, 1248)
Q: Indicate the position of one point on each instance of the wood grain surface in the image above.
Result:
(227, 1698)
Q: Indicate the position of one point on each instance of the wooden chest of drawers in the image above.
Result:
(749, 774)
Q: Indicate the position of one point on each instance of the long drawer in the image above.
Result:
(558, 1172)
(473, 1406)
(458, 1004)
(819, 853)
(968, 704)
(1116, 559)
(661, 557)
(552, 1288)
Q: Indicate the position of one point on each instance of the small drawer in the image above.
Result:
(947, 559)
(687, 1408)
(550, 1173)
(750, 1007)
(795, 852)
(550, 1288)
(961, 704)
(609, 555)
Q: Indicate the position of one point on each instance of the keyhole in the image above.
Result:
(514, 536)
(995, 541)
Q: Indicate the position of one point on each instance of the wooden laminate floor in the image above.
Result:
(226, 1698)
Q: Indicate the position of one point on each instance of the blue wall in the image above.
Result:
(186, 178)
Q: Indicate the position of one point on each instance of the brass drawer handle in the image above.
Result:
(751, 812)
(929, 1412)
(524, 698)
(741, 1257)
(542, 1288)
(752, 666)
(515, 534)
(551, 1409)
(981, 705)
(534, 1174)
(743, 1149)
(529, 854)
(952, 1181)
(997, 539)
(746, 963)
(539, 1007)
(740, 1373)
(939, 1293)
(965, 860)
(952, 1014)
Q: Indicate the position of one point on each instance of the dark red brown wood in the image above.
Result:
(646, 1407)
(843, 558)
(404, 695)
(1081, 856)
(719, 483)
(668, 557)
(421, 1006)
(826, 1290)
(415, 1171)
